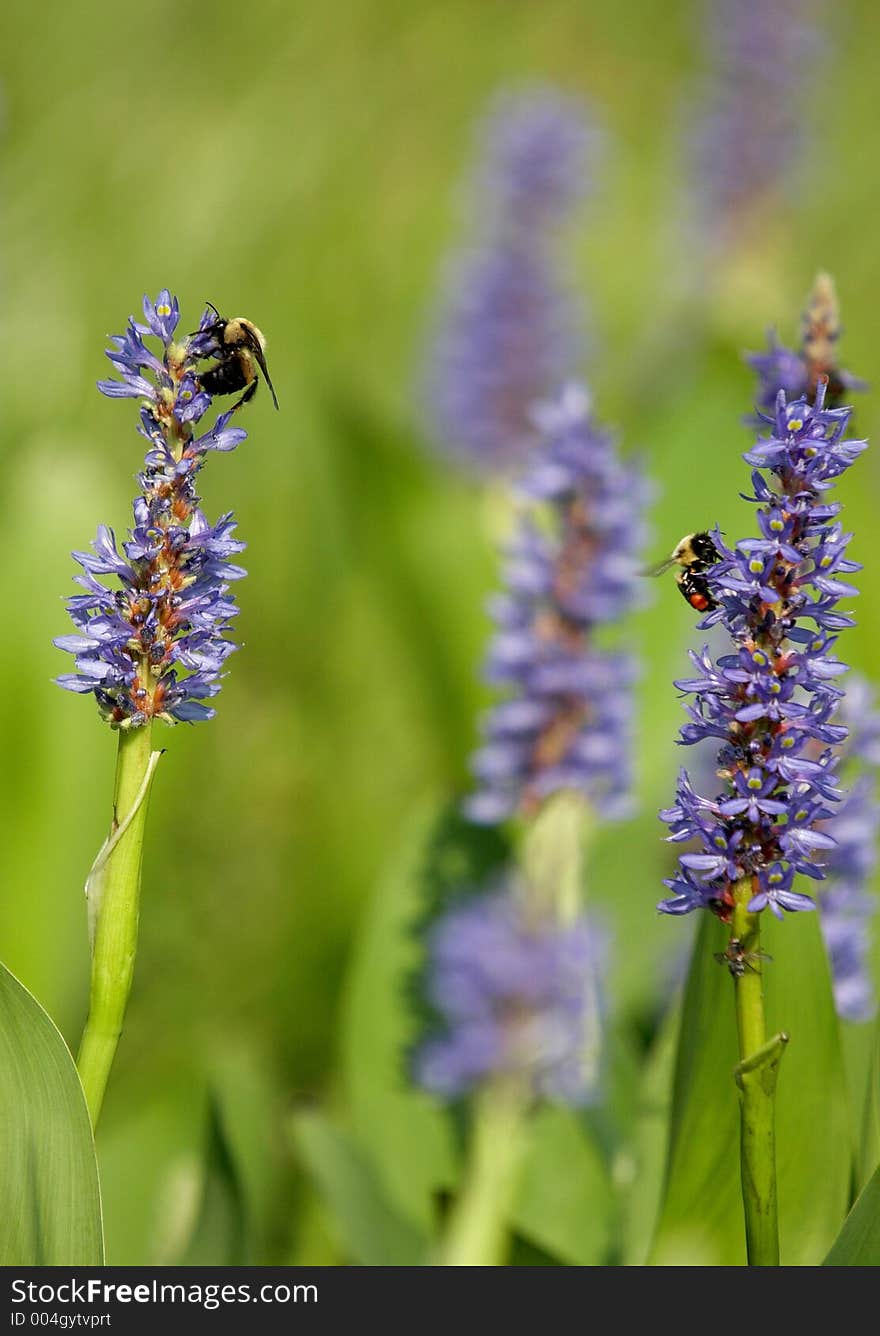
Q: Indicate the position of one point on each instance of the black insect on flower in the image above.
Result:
(239, 350)
(695, 554)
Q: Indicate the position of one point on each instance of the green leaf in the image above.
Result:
(406, 1135)
(373, 1233)
(701, 1221)
(51, 1202)
(870, 1148)
(858, 1243)
(219, 1236)
(565, 1203)
(814, 1141)
(647, 1170)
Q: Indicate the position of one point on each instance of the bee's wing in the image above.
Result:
(661, 567)
(257, 349)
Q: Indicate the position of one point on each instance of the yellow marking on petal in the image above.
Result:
(163, 309)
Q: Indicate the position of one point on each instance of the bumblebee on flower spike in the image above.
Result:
(696, 554)
(239, 349)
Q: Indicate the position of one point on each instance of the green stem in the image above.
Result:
(553, 858)
(113, 891)
(476, 1233)
(756, 1081)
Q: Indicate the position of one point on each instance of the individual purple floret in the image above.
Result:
(847, 905)
(762, 59)
(512, 998)
(155, 645)
(770, 704)
(572, 571)
(798, 373)
(507, 333)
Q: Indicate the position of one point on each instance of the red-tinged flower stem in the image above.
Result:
(113, 891)
(756, 1081)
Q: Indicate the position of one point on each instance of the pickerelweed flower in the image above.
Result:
(798, 373)
(771, 702)
(154, 646)
(512, 998)
(761, 59)
(572, 571)
(507, 333)
(847, 904)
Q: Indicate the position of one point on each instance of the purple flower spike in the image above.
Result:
(511, 998)
(506, 333)
(566, 722)
(762, 57)
(798, 373)
(770, 703)
(154, 647)
(532, 163)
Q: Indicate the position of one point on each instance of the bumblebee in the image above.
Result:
(240, 349)
(695, 554)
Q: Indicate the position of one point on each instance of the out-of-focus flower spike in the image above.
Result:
(512, 998)
(567, 722)
(506, 332)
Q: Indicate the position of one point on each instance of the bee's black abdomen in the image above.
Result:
(227, 377)
(695, 588)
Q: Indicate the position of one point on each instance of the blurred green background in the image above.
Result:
(298, 163)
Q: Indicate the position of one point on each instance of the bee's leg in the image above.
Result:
(247, 396)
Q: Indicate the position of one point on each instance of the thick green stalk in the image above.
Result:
(756, 1081)
(113, 891)
(476, 1233)
(553, 858)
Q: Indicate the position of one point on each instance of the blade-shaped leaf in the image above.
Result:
(51, 1203)
(701, 1219)
(372, 1232)
(858, 1243)
(219, 1236)
(870, 1149)
(565, 1201)
(651, 1139)
(813, 1126)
